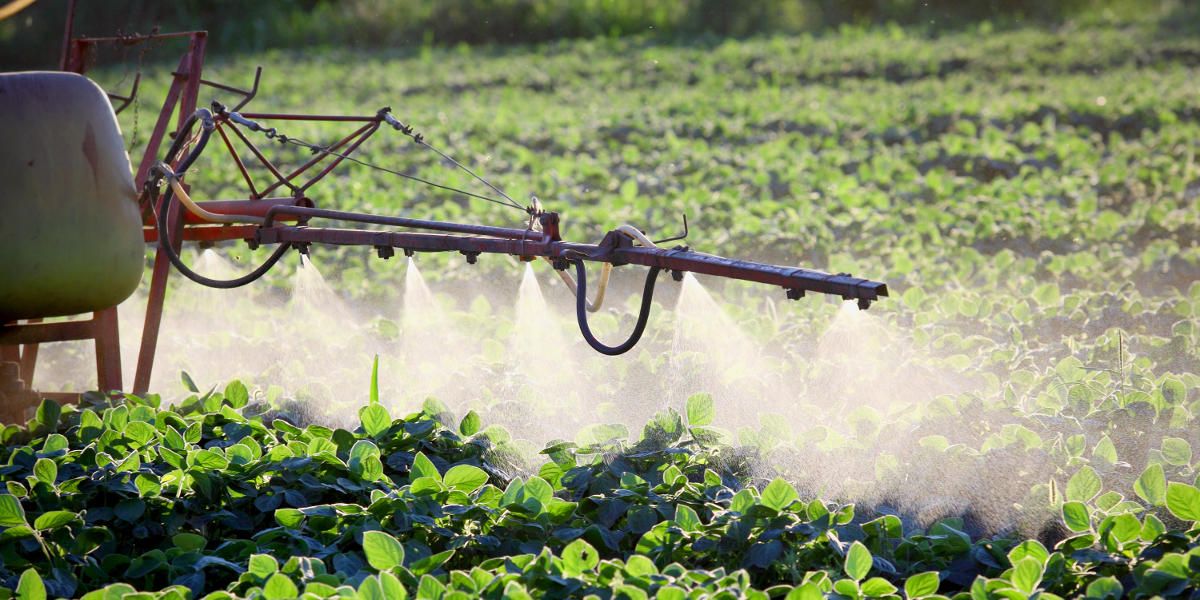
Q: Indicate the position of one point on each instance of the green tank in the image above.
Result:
(70, 226)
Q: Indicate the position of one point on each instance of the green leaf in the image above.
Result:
(236, 394)
(1177, 451)
(470, 424)
(30, 586)
(383, 551)
(1026, 575)
(700, 410)
(1183, 501)
(365, 461)
(289, 517)
(1047, 295)
(1151, 486)
(47, 415)
(280, 587)
(858, 561)
(1076, 516)
(922, 584)
(11, 513)
(188, 383)
(45, 471)
(877, 587)
(1103, 588)
(147, 486)
(579, 557)
(375, 419)
(262, 565)
(430, 563)
(778, 494)
(806, 591)
(465, 478)
(423, 467)
(210, 459)
(53, 519)
(189, 542)
(375, 381)
(687, 519)
(1028, 549)
(1084, 485)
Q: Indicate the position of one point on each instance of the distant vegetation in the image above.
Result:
(32, 37)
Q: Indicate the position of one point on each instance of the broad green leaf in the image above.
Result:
(1026, 575)
(1177, 451)
(470, 424)
(700, 410)
(778, 494)
(262, 565)
(365, 461)
(11, 513)
(30, 586)
(383, 551)
(579, 556)
(1151, 486)
(687, 519)
(53, 519)
(280, 587)
(1084, 485)
(375, 419)
(236, 394)
(45, 471)
(189, 542)
(858, 561)
(465, 478)
(1076, 516)
(877, 587)
(430, 563)
(1183, 501)
(423, 467)
(1105, 588)
(806, 591)
(1028, 549)
(289, 517)
(922, 584)
(47, 415)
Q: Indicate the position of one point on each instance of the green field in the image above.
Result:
(1016, 421)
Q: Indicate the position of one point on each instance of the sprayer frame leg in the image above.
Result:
(154, 310)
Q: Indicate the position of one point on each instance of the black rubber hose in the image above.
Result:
(164, 240)
(581, 312)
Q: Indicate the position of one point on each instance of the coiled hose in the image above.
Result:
(581, 310)
(164, 242)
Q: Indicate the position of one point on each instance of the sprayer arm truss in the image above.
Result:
(616, 248)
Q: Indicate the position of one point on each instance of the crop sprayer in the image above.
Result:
(77, 220)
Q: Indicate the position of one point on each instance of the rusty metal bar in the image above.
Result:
(338, 215)
(216, 233)
(237, 160)
(788, 277)
(791, 278)
(330, 118)
(38, 333)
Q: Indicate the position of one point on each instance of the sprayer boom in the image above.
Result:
(616, 248)
(286, 223)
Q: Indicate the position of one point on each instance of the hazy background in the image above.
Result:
(32, 38)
